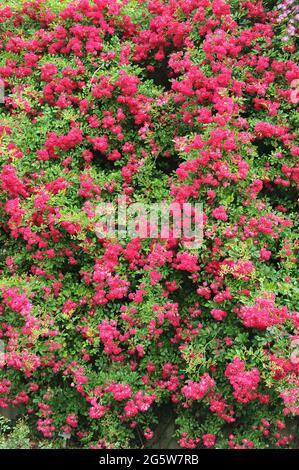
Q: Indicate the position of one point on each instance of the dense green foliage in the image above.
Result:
(178, 101)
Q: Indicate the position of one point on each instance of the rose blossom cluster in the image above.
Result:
(244, 383)
(263, 314)
(149, 102)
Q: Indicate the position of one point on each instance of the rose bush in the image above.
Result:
(178, 101)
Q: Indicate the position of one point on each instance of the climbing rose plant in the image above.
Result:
(180, 101)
